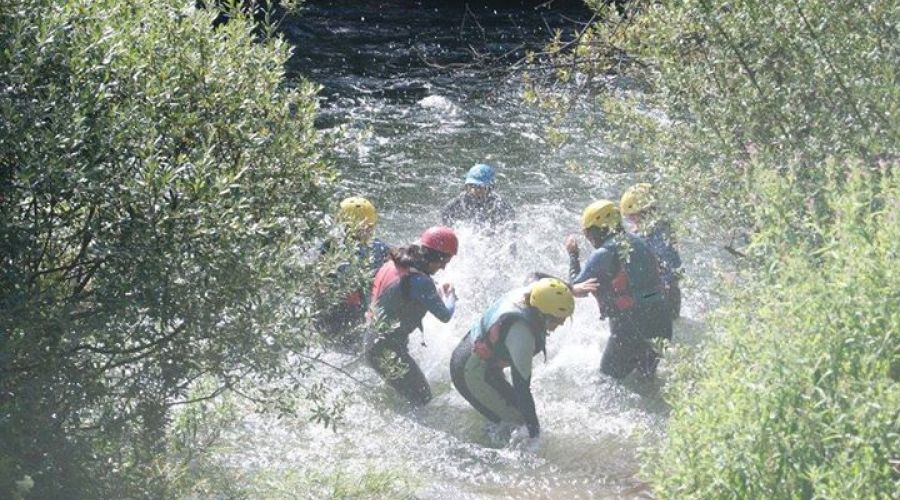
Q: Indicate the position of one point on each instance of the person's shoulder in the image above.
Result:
(603, 252)
(520, 329)
(420, 279)
(496, 199)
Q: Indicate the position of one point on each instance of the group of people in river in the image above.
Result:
(633, 273)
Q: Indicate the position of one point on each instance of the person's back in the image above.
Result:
(403, 292)
(660, 238)
(398, 299)
(627, 272)
(641, 216)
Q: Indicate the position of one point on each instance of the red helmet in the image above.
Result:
(440, 238)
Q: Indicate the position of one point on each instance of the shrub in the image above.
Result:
(779, 118)
(159, 184)
(798, 397)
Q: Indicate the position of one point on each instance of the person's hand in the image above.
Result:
(572, 244)
(585, 287)
(447, 290)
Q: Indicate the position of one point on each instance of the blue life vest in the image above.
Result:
(488, 334)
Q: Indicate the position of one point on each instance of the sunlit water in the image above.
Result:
(419, 129)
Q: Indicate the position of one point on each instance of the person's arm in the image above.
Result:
(520, 345)
(601, 264)
(422, 289)
(574, 258)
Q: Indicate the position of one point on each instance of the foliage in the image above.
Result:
(779, 118)
(160, 188)
(798, 398)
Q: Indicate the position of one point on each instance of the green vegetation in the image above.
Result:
(779, 119)
(159, 186)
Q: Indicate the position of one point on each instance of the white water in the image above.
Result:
(420, 129)
(592, 425)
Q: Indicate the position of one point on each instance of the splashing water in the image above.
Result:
(428, 126)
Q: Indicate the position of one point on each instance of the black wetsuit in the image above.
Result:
(660, 237)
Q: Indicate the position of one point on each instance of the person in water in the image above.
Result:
(641, 217)
(402, 294)
(510, 333)
(479, 204)
(624, 274)
(357, 217)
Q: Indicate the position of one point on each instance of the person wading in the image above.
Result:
(402, 294)
(641, 217)
(357, 217)
(479, 204)
(509, 334)
(623, 272)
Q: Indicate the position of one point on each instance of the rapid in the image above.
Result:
(397, 77)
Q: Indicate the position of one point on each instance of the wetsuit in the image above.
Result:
(508, 334)
(661, 239)
(630, 295)
(337, 318)
(489, 210)
(400, 299)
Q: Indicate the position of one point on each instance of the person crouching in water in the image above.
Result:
(627, 287)
(402, 294)
(357, 217)
(638, 206)
(509, 334)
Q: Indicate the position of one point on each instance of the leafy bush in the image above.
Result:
(798, 398)
(780, 119)
(159, 184)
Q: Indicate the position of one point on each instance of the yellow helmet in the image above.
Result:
(553, 297)
(637, 198)
(358, 210)
(602, 214)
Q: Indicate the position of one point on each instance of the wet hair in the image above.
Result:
(416, 256)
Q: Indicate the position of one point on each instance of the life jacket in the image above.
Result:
(490, 331)
(636, 281)
(391, 300)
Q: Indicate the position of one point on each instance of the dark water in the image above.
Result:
(424, 92)
(426, 86)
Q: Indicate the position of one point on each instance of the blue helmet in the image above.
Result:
(481, 175)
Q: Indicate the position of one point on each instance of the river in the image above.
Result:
(398, 75)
